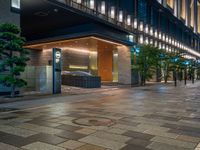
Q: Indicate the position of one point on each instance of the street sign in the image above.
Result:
(57, 57)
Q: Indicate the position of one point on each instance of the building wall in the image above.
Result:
(6, 15)
(124, 65)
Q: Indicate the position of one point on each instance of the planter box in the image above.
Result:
(81, 81)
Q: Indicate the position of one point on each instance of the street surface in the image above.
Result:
(155, 117)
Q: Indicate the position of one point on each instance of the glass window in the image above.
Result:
(15, 4)
(170, 3)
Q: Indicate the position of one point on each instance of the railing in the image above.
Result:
(96, 11)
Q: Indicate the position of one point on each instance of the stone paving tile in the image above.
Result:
(162, 134)
(103, 142)
(41, 146)
(85, 131)
(139, 135)
(14, 140)
(157, 116)
(111, 136)
(134, 147)
(139, 142)
(4, 146)
(70, 135)
(68, 127)
(188, 138)
(71, 144)
(46, 138)
(115, 130)
(174, 142)
(44, 123)
(16, 131)
(127, 127)
(163, 146)
(90, 147)
(43, 129)
(151, 127)
(184, 132)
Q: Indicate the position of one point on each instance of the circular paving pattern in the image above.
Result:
(94, 121)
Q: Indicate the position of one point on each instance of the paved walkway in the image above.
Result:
(146, 118)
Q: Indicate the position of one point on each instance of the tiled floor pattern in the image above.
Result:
(150, 118)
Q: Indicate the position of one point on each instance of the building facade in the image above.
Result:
(10, 11)
(99, 36)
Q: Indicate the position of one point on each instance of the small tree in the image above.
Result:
(148, 61)
(13, 57)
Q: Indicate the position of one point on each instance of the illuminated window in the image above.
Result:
(170, 3)
(15, 4)
(183, 12)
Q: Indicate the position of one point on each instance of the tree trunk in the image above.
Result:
(12, 93)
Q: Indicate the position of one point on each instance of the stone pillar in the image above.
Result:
(195, 16)
(187, 16)
(124, 65)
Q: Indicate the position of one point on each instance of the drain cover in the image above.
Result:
(94, 121)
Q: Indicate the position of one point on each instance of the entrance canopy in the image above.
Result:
(92, 55)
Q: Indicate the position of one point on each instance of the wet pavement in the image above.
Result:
(156, 117)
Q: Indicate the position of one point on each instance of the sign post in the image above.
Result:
(57, 56)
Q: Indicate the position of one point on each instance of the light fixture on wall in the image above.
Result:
(146, 28)
(156, 33)
(112, 12)
(128, 20)
(163, 37)
(103, 7)
(160, 35)
(170, 40)
(151, 41)
(135, 23)
(120, 17)
(167, 39)
(141, 39)
(151, 31)
(147, 40)
(92, 4)
(156, 43)
(160, 45)
(141, 26)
